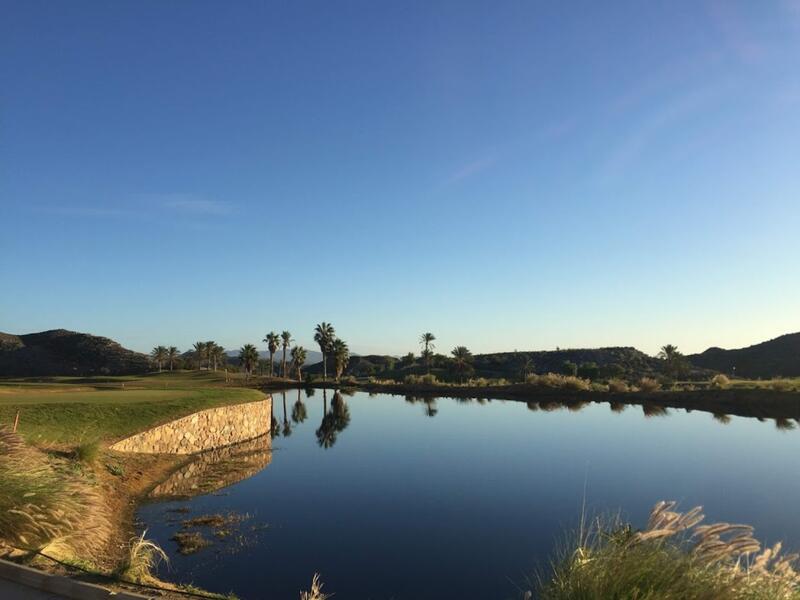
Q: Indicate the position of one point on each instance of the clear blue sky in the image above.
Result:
(516, 175)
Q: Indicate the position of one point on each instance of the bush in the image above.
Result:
(589, 370)
(555, 381)
(569, 368)
(86, 452)
(617, 386)
(648, 384)
(599, 387)
(429, 379)
(719, 382)
(781, 385)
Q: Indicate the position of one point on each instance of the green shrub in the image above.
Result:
(569, 368)
(589, 370)
(617, 386)
(87, 452)
(648, 384)
(719, 382)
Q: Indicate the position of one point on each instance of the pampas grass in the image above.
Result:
(315, 593)
(46, 507)
(141, 559)
(674, 557)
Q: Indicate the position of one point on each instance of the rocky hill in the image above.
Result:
(779, 357)
(62, 352)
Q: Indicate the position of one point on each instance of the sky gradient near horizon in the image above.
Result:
(521, 175)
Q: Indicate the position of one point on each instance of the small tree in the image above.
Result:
(589, 370)
(199, 353)
(569, 368)
(341, 356)
(462, 361)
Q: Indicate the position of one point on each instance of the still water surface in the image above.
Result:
(389, 498)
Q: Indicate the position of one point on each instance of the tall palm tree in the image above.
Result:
(218, 355)
(159, 354)
(341, 356)
(298, 360)
(172, 354)
(248, 358)
(462, 358)
(199, 352)
(209, 353)
(286, 339)
(324, 336)
(427, 339)
(273, 341)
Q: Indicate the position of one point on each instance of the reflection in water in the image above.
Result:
(654, 410)
(287, 426)
(299, 411)
(721, 418)
(384, 485)
(215, 469)
(333, 422)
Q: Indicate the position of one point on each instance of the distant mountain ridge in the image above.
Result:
(778, 357)
(62, 352)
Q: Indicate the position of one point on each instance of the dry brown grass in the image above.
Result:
(617, 385)
(674, 557)
(648, 384)
(45, 506)
(141, 559)
(315, 593)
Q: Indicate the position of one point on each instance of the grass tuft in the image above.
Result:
(315, 593)
(141, 559)
(674, 557)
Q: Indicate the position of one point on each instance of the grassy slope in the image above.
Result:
(67, 410)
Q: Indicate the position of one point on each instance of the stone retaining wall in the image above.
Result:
(204, 430)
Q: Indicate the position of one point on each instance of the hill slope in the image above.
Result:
(62, 352)
(774, 358)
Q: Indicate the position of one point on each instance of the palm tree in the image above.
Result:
(427, 339)
(674, 361)
(218, 355)
(341, 356)
(248, 358)
(286, 339)
(210, 345)
(298, 360)
(172, 354)
(199, 352)
(462, 358)
(324, 335)
(273, 341)
(159, 354)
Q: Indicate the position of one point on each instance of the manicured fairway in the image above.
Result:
(74, 410)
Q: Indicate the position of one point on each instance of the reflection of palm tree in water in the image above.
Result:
(430, 407)
(333, 422)
(299, 412)
(287, 426)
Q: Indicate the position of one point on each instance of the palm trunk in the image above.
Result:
(283, 366)
(270, 363)
(324, 367)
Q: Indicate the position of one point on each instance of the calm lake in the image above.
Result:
(394, 498)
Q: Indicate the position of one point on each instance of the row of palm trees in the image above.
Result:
(331, 347)
(162, 355)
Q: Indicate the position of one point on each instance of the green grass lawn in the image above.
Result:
(71, 410)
